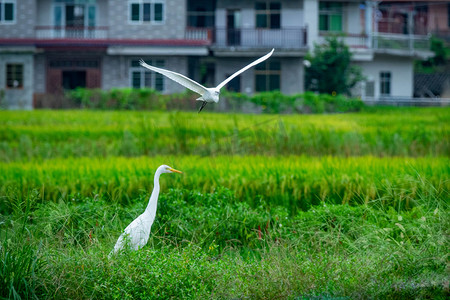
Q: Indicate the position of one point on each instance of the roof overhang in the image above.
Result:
(17, 49)
(112, 46)
(157, 50)
(418, 54)
(362, 54)
(251, 52)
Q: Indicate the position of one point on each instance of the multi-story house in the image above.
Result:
(414, 17)
(47, 46)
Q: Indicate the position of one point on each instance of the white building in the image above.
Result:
(47, 46)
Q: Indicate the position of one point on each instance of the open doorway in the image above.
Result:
(234, 27)
(73, 79)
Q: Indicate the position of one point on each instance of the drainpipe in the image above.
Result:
(411, 29)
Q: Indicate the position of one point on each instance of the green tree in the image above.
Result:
(438, 62)
(330, 70)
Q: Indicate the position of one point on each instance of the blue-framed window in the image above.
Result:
(146, 11)
(385, 83)
(7, 11)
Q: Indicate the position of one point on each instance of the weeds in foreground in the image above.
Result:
(215, 246)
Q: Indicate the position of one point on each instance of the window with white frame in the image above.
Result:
(385, 83)
(7, 11)
(330, 16)
(14, 76)
(74, 13)
(146, 11)
(268, 14)
(267, 76)
(144, 78)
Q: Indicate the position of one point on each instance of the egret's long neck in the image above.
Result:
(151, 207)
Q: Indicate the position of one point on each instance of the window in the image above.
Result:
(448, 14)
(370, 88)
(385, 83)
(14, 76)
(268, 15)
(267, 76)
(74, 14)
(144, 78)
(330, 16)
(7, 11)
(146, 11)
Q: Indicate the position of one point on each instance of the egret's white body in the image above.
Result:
(206, 94)
(136, 235)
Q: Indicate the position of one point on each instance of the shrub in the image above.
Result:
(273, 102)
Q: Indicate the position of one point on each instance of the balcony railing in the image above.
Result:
(350, 39)
(67, 32)
(198, 34)
(442, 34)
(287, 38)
(401, 42)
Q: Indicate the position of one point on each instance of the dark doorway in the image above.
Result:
(73, 79)
(234, 27)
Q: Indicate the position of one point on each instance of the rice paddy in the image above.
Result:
(269, 206)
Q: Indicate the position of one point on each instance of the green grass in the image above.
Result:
(380, 132)
(296, 182)
(292, 207)
(219, 247)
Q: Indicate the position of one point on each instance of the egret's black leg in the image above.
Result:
(203, 105)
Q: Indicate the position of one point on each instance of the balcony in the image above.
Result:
(401, 42)
(284, 38)
(442, 34)
(352, 40)
(198, 34)
(68, 32)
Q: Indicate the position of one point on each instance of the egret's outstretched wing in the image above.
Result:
(222, 84)
(181, 79)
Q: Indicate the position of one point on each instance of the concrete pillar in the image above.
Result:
(311, 17)
(368, 18)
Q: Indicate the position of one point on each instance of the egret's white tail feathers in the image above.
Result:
(200, 99)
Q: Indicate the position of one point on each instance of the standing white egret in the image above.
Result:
(136, 235)
(207, 94)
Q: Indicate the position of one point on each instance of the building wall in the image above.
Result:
(39, 73)
(353, 23)
(18, 98)
(291, 74)
(311, 20)
(116, 71)
(44, 13)
(402, 74)
(292, 14)
(25, 20)
(227, 66)
(173, 26)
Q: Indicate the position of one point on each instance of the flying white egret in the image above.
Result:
(207, 94)
(136, 235)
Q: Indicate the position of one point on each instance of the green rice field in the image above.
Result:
(337, 206)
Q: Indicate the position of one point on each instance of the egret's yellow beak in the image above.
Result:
(176, 171)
